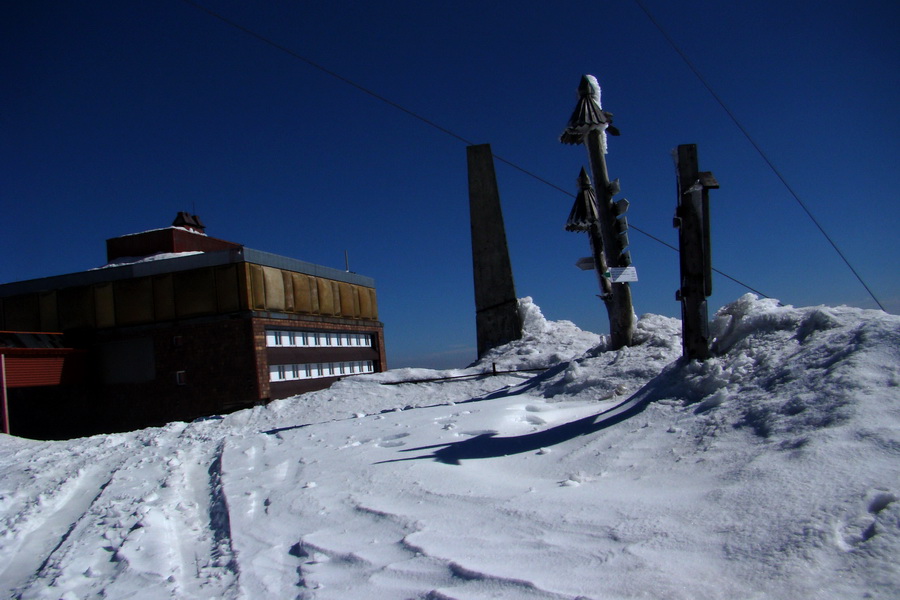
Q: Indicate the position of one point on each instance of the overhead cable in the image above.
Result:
(756, 146)
(415, 115)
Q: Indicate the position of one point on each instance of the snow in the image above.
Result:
(594, 87)
(188, 229)
(594, 90)
(768, 471)
(132, 260)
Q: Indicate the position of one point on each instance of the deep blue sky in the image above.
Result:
(115, 115)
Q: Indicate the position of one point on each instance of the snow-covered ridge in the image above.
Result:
(133, 260)
(769, 471)
(188, 229)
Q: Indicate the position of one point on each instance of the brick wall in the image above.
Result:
(301, 355)
(201, 368)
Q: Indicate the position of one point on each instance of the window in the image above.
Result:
(307, 339)
(317, 370)
(180, 378)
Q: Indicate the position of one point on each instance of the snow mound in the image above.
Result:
(543, 344)
(768, 471)
(603, 374)
(784, 371)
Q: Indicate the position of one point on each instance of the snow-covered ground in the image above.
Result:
(770, 471)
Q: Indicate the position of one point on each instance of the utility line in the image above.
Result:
(327, 71)
(425, 120)
(756, 146)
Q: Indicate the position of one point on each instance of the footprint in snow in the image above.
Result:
(392, 441)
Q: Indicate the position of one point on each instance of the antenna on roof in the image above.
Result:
(347, 260)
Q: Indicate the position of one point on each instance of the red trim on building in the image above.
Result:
(170, 239)
(35, 367)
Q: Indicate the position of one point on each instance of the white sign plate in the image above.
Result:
(622, 274)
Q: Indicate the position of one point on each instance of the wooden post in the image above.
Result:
(588, 125)
(584, 218)
(497, 319)
(692, 221)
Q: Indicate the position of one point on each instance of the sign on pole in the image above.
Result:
(585, 263)
(621, 274)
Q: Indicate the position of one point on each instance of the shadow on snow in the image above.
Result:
(488, 445)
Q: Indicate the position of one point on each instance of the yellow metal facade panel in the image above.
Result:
(76, 308)
(347, 304)
(22, 313)
(163, 297)
(314, 294)
(326, 297)
(336, 295)
(257, 287)
(133, 301)
(227, 290)
(373, 300)
(221, 289)
(274, 288)
(357, 311)
(365, 303)
(302, 295)
(49, 315)
(195, 292)
(288, 285)
(104, 305)
(244, 292)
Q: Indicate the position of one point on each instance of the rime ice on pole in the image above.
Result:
(588, 115)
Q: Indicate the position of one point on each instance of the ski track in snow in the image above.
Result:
(130, 517)
(768, 472)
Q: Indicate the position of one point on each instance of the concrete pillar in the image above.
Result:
(497, 318)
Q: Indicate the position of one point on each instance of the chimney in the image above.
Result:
(189, 221)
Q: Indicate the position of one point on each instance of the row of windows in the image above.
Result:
(314, 370)
(278, 338)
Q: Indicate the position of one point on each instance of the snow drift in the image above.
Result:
(768, 471)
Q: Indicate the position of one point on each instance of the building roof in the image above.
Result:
(181, 263)
(182, 246)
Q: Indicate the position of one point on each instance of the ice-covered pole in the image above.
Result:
(588, 126)
(584, 218)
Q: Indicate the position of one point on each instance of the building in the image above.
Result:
(38, 370)
(181, 325)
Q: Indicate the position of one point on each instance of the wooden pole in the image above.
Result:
(618, 303)
(596, 239)
(589, 125)
(692, 221)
